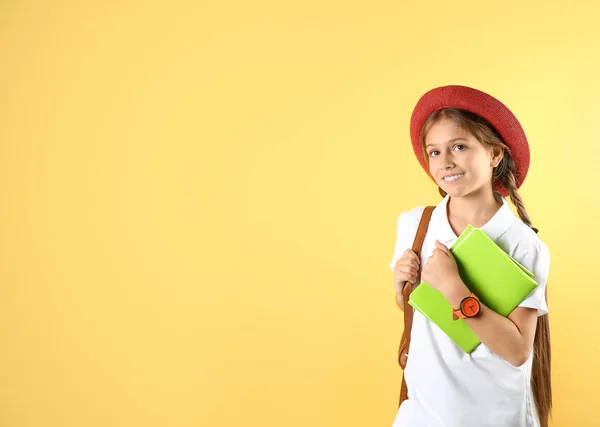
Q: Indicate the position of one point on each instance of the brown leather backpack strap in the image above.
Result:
(417, 245)
(406, 291)
(422, 230)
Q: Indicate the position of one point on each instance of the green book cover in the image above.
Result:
(497, 279)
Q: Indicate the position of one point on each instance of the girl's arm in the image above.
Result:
(509, 337)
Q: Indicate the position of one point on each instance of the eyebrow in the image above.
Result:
(447, 142)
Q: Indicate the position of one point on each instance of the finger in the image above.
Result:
(410, 262)
(411, 270)
(407, 276)
(407, 270)
(440, 246)
(409, 253)
(408, 273)
(417, 279)
(407, 261)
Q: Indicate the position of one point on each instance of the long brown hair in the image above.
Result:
(505, 173)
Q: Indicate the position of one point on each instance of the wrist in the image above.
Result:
(457, 294)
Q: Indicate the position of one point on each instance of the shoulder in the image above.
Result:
(410, 219)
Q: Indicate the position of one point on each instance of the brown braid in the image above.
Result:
(505, 173)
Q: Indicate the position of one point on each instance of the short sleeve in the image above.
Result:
(537, 260)
(405, 234)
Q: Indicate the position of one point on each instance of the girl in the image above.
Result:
(475, 150)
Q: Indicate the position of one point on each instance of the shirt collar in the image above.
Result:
(494, 228)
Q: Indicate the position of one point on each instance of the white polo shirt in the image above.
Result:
(446, 386)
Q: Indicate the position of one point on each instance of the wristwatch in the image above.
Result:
(468, 307)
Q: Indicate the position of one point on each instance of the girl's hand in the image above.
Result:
(406, 270)
(441, 272)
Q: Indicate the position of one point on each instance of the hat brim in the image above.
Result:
(482, 104)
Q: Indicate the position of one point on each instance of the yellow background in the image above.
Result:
(199, 201)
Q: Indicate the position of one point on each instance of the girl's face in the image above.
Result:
(458, 162)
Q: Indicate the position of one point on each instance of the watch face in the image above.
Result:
(470, 307)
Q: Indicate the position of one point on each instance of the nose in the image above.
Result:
(446, 162)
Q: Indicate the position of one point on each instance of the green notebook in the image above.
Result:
(500, 282)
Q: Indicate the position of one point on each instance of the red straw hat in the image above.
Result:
(482, 104)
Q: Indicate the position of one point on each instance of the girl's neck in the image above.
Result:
(474, 209)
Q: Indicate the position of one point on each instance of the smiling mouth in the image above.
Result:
(453, 178)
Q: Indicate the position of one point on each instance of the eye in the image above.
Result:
(431, 153)
(463, 147)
